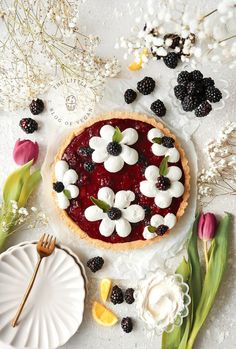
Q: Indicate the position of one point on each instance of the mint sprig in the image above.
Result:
(163, 169)
(152, 229)
(67, 194)
(118, 136)
(157, 140)
(100, 203)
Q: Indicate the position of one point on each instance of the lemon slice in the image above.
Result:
(102, 315)
(105, 286)
(138, 65)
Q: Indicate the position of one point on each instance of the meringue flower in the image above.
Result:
(114, 153)
(65, 187)
(152, 186)
(25, 151)
(161, 149)
(161, 225)
(119, 213)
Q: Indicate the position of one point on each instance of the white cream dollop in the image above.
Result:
(159, 300)
(168, 220)
(159, 149)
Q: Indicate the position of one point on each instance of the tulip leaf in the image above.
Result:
(118, 136)
(214, 275)
(101, 204)
(163, 168)
(29, 185)
(15, 182)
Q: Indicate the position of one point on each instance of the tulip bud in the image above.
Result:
(24, 151)
(207, 226)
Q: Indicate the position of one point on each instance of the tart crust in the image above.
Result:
(184, 162)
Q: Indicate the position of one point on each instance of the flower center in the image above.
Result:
(58, 187)
(163, 183)
(114, 213)
(162, 229)
(114, 148)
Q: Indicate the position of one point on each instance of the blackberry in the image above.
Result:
(130, 96)
(158, 108)
(95, 264)
(168, 142)
(183, 77)
(89, 166)
(196, 75)
(189, 103)
(127, 324)
(114, 213)
(194, 88)
(180, 91)
(203, 109)
(146, 86)
(213, 94)
(129, 295)
(208, 82)
(161, 230)
(36, 106)
(85, 151)
(116, 295)
(28, 125)
(171, 60)
(163, 183)
(175, 40)
(58, 187)
(114, 148)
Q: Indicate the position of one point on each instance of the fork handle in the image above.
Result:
(27, 292)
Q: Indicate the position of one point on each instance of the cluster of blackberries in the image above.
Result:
(145, 87)
(196, 92)
(29, 125)
(89, 166)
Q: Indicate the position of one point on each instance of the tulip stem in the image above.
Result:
(206, 253)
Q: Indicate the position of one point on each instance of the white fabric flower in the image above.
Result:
(163, 198)
(121, 200)
(159, 149)
(127, 155)
(68, 178)
(169, 220)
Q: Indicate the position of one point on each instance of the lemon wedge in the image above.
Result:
(103, 316)
(105, 286)
(138, 65)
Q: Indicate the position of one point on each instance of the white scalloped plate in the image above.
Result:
(55, 307)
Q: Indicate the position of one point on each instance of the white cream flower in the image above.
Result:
(163, 198)
(163, 223)
(65, 186)
(160, 149)
(120, 214)
(114, 154)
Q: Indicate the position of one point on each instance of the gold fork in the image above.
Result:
(45, 248)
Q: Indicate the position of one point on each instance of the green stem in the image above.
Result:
(206, 254)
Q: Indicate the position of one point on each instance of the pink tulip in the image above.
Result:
(24, 151)
(207, 226)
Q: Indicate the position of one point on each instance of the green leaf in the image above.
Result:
(118, 136)
(184, 270)
(29, 185)
(157, 140)
(152, 229)
(101, 204)
(214, 275)
(15, 182)
(163, 169)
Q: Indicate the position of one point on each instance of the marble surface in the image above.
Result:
(110, 20)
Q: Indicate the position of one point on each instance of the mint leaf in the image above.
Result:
(157, 140)
(152, 229)
(117, 137)
(164, 166)
(67, 194)
(101, 204)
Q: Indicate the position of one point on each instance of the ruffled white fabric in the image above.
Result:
(121, 200)
(159, 149)
(163, 198)
(114, 163)
(169, 220)
(68, 177)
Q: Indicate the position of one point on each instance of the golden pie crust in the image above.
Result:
(185, 165)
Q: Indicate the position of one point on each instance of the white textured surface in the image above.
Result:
(110, 20)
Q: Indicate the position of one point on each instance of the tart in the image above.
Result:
(121, 181)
